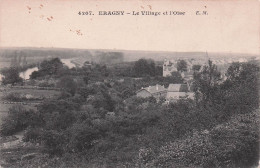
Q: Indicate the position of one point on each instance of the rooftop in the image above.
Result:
(178, 88)
(154, 89)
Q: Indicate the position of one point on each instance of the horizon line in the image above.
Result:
(206, 51)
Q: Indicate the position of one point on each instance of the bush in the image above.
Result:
(14, 96)
(67, 83)
(18, 119)
(82, 137)
(33, 135)
(46, 84)
(54, 141)
(11, 76)
(233, 144)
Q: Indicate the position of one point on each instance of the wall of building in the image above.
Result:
(160, 94)
(175, 95)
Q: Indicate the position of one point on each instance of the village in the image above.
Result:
(185, 89)
(94, 107)
(171, 92)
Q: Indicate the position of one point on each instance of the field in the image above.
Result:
(4, 107)
(33, 92)
(5, 64)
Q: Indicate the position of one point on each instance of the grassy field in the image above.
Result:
(33, 92)
(5, 64)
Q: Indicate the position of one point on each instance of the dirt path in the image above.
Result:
(8, 143)
(11, 144)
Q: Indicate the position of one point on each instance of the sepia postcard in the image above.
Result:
(129, 83)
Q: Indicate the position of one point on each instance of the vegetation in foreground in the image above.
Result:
(97, 123)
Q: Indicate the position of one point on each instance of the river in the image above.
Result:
(68, 63)
(26, 74)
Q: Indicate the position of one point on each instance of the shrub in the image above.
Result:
(233, 144)
(18, 119)
(13, 96)
(33, 135)
(54, 141)
(82, 136)
(46, 84)
(11, 76)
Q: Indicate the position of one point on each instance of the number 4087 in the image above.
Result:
(86, 13)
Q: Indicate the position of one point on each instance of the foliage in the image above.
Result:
(104, 123)
(82, 136)
(144, 67)
(234, 144)
(86, 79)
(48, 67)
(68, 84)
(206, 82)
(46, 84)
(33, 134)
(196, 67)
(242, 81)
(54, 141)
(181, 66)
(18, 119)
(13, 96)
(11, 76)
(19, 97)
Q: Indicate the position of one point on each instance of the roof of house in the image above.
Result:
(154, 89)
(178, 88)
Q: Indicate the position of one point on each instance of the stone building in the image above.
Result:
(178, 91)
(156, 91)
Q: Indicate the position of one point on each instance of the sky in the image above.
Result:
(230, 26)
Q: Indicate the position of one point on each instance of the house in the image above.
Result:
(156, 91)
(177, 91)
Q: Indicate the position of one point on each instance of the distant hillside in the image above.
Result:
(43, 52)
(79, 56)
(104, 56)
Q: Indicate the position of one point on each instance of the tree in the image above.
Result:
(242, 86)
(182, 65)
(159, 71)
(144, 67)
(242, 73)
(11, 76)
(196, 67)
(67, 83)
(176, 77)
(50, 67)
(86, 79)
(206, 82)
(18, 119)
